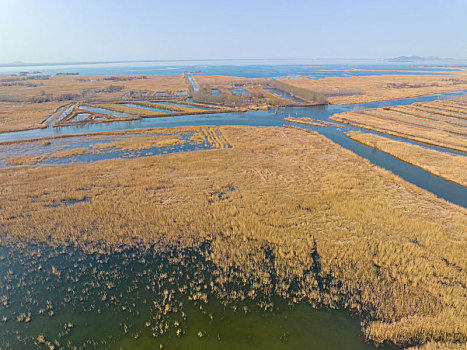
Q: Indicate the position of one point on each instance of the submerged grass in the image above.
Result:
(138, 143)
(39, 151)
(284, 210)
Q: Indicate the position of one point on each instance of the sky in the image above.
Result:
(103, 30)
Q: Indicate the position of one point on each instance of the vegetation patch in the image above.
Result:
(431, 123)
(301, 93)
(449, 166)
(349, 90)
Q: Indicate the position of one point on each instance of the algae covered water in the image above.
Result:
(147, 298)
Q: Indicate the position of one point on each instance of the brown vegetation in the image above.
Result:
(440, 346)
(380, 88)
(306, 95)
(221, 81)
(310, 121)
(440, 123)
(91, 87)
(125, 109)
(257, 93)
(271, 99)
(30, 160)
(449, 166)
(27, 106)
(171, 107)
(284, 208)
(18, 111)
(23, 116)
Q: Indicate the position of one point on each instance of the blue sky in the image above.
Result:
(102, 30)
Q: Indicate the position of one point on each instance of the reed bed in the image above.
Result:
(215, 138)
(24, 116)
(171, 107)
(125, 109)
(27, 107)
(382, 87)
(449, 166)
(444, 130)
(431, 115)
(285, 211)
(271, 98)
(455, 104)
(416, 120)
(145, 112)
(443, 110)
(89, 87)
(23, 108)
(24, 160)
(305, 120)
(314, 122)
(440, 346)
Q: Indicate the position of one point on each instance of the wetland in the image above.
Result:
(234, 215)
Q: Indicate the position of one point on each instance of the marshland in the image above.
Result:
(247, 212)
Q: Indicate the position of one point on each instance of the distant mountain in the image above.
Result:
(417, 58)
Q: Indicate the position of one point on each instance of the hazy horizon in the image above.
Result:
(51, 31)
(321, 59)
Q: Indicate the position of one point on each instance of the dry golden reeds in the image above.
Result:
(450, 166)
(444, 130)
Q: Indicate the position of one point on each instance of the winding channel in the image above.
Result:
(447, 190)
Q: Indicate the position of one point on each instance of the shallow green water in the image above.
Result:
(287, 327)
(142, 298)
